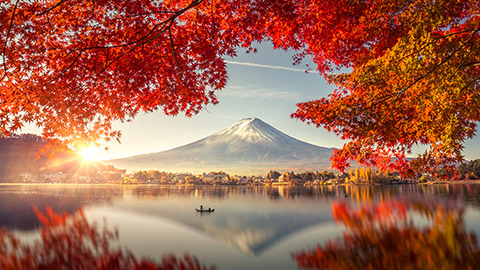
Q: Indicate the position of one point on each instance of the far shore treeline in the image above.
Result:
(102, 174)
(19, 164)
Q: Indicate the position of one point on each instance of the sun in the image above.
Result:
(89, 153)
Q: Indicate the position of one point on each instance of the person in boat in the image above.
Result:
(201, 207)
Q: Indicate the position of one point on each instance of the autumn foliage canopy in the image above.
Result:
(406, 72)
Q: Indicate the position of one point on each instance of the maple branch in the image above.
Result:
(469, 83)
(397, 94)
(441, 63)
(436, 39)
(213, 22)
(167, 24)
(173, 45)
(93, 10)
(6, 41)
(162, 30)
(68, 67)
(145, 13)
(48, 21)
(106, 58)
(474, 64)
(133, 48)
(52, 8)
(462, 62)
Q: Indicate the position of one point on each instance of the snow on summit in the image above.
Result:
(247, 146)
(252, 130)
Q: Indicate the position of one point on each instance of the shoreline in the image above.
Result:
(441, 182)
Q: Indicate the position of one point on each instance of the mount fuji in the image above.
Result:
(250, 146)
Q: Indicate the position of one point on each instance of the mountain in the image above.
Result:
(19, 155)
(249, 146)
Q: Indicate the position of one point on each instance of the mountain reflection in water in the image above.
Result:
(254, 227)
(385, 235)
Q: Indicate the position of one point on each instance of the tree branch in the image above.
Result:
(173, 45)
(142, 40)
(462, 63)
(6, 41)
(93, 10)
(439, 64)
(474, 64)
(166, 25)
(52, 8)
(397, 94)
(469, 83)
(67, 68)
(133, 48)
(167, 21)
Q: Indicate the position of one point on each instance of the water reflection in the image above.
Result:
(71, 242)
(17, 201)
(245, 220)
(104, 193)
(463, 193)
(251, 228)
(411, 234)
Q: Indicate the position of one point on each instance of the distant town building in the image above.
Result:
(209, 178)
(26, 177)
(181, 177)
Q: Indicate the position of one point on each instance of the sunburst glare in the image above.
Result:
(89, 153)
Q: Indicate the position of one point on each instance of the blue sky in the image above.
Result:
(264, 85)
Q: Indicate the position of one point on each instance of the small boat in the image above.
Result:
(205, 210)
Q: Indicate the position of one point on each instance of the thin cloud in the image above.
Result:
(266, 66)
(261, 93)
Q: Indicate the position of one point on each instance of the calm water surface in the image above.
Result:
(252, 227)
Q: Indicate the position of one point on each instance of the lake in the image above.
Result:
(267, 227)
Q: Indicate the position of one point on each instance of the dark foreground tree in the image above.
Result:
(411, 67)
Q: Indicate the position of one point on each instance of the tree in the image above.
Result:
(411, 76)
(273, 174)
(409, 70)
(73, 71)
(470, 169)
(368, 174)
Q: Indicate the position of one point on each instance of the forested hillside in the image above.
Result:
(18, 154)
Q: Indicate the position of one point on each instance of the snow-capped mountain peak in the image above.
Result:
(251, 130)
(247, 146)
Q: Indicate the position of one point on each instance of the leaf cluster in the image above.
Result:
(412, 79)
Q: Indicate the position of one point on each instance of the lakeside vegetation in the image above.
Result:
(357, 175)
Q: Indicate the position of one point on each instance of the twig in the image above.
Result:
(53, 7)
(6, 41)
(173, 45)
